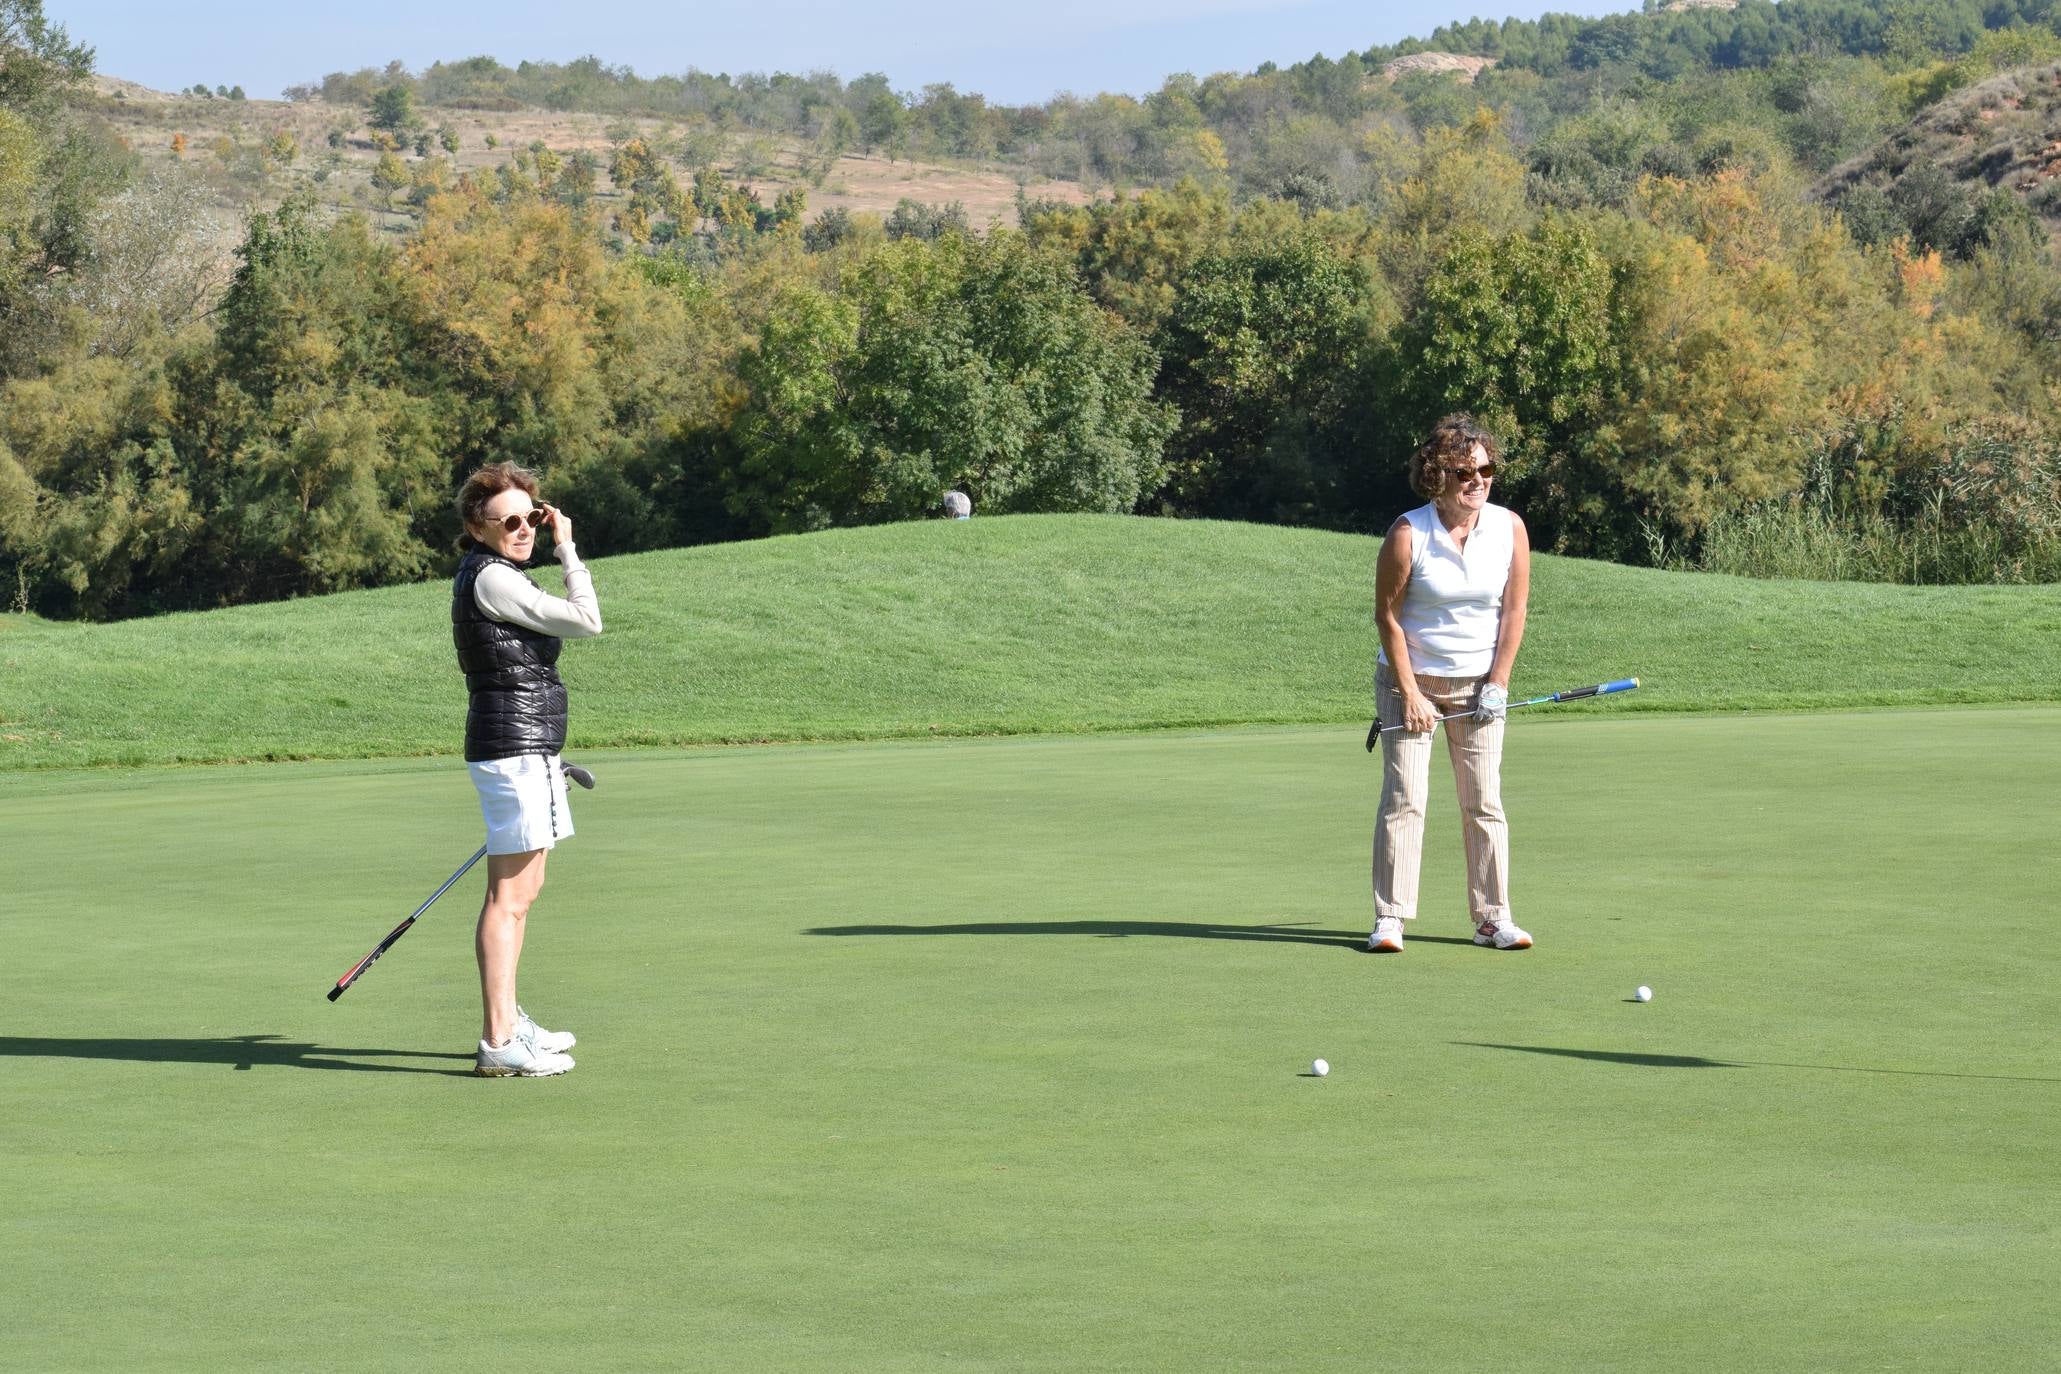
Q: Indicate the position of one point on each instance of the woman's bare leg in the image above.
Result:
(513, 882)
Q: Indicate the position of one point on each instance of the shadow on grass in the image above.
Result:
(1697, 1061)
(1293, 933)
(237, 1051)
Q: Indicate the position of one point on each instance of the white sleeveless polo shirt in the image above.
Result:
(1453, 603)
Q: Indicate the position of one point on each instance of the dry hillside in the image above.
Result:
(2004, 133)
(231, 142)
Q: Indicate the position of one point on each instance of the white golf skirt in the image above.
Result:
(524, 802)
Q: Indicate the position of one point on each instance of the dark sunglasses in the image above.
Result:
(1485, 472)
(512, 523)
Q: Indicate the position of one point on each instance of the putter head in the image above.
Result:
(578, 774)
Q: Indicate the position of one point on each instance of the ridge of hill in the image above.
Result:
(1009, 625)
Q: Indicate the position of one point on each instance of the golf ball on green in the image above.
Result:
(1320, 1068)
(1642, 993)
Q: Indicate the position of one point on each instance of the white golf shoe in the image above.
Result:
(1501, 933)
(1387, 937)
(552, 1042)
(520, 1058)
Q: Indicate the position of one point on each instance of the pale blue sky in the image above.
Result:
(1013, 54)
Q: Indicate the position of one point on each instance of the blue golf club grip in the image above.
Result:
(1623, 684)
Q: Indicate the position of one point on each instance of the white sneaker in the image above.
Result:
(1502, 934)
(519, 1058)
(1387, 937)
(554, 1042)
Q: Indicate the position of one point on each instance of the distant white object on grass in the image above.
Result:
(958, 505)
(1320, 1068)
(1642, 993)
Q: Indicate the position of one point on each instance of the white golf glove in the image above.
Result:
(1491, 704)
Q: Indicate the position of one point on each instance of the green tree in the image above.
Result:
(1515, 329)
(913, 219)
(1260, 354)
(393, 110)
(38, 60)
(884, 122)
(577, 179)
(977, 363)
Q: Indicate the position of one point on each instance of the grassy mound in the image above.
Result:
(1015, 625)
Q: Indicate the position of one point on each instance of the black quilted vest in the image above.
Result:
(517, 700)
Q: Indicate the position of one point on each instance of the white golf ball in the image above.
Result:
(1320, 1068)
(1642, 993)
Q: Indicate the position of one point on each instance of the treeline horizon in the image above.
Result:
(1694, 360)
(1542, 67)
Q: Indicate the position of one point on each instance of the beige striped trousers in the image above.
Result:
(1477, 754)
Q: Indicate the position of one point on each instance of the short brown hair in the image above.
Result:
(483, 486)
(1453, 437)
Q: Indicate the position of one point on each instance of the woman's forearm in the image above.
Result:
(1395, 647)
(1516, 596)
(1509, 635)
(506, 595)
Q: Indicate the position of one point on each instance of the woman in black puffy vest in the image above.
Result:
(508, 632)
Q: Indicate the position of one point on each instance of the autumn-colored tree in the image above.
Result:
(1134, 250)
(427, 178)
(548, 341)
(637, 168)
(724, 206)
(20, 160)
(633, 223)
(1465, 178)
(1718, 380)
(389, 175)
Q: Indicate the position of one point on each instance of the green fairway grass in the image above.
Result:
(1032, 624)
(987, 1054)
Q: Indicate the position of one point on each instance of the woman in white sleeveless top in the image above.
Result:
(1450, 591)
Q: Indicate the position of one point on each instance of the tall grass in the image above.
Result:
(1987, 511)
(1796, 539)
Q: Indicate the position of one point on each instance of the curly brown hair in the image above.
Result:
(1451, 438)
(483, 486)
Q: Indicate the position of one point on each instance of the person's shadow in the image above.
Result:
(1298, 933)
(1697, 1061)
(235, 1051)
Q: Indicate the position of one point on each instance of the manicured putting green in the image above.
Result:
(988, 1055)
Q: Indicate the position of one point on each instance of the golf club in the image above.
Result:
(1624, 684)
(578, 774)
